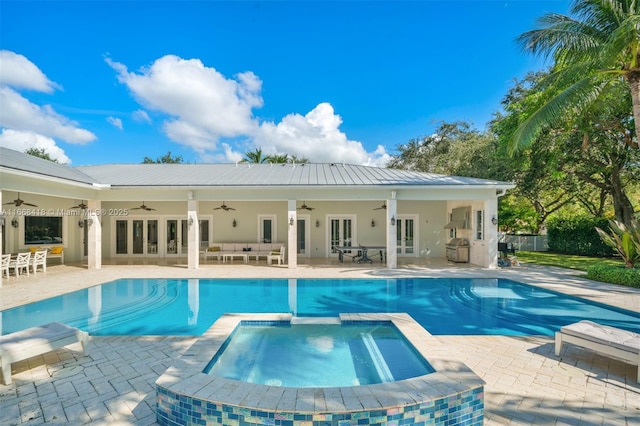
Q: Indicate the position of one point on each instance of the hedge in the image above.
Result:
(578, 236)
(615, 275)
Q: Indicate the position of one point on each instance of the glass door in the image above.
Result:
(122, 237)
(85, 239)
(302, 233)
(177, 236)
(405, 236)
(341, 233)
(137, 237)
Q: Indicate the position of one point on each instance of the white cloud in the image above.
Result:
(141, 116)
(19, 114)
(204, 104)
(115, 121)
(21, 141)
(205, 107)
(17, 71)
(28, 124)
(317, 137)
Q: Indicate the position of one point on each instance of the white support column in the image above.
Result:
(392, 252)
(193, 256)
(491, 233)
(94, 234)
(292, 235)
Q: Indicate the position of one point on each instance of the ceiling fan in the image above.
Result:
(382, 207)
(304, 206)
(143, 207)
(224, 207)
(82, 206)
(18, 202)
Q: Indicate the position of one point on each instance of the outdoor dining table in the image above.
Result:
(362, 252)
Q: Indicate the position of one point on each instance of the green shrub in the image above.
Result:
(578, 235)
(615, 275)
(625, 239)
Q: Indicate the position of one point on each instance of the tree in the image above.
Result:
(453, 149)
(277, 159)
(255, 157)
(165, 159)
(595, 54)
(586, 158)
(41, 153)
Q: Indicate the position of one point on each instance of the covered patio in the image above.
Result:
(179, 211)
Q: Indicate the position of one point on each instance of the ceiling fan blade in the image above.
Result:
(29, 204)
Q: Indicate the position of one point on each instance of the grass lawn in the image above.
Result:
(580, 263)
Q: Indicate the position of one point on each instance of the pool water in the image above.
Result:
(443, 306)
(317, 355)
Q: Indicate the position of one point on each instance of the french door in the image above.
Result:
(405, 235)
(137, 237)
(302, 235)
(176, 237)
(341, 233)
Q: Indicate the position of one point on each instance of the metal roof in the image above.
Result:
(240, 175)
(243, 174)
(19, 161)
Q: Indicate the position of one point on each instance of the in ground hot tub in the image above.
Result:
(318, 355)
(357, 369)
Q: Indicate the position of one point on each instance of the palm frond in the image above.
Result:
(553, 112)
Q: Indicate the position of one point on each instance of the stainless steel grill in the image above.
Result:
(458, 250)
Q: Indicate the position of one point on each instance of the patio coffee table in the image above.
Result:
(231, 256)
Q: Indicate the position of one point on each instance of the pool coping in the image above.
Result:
(186, 377)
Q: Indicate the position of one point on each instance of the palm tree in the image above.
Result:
(254, 157)
(278, 158)
(595, 54)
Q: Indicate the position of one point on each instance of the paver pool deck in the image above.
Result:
(526, 384)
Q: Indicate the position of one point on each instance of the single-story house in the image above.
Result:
(180, 210)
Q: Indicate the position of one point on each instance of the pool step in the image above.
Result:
(315, 320)
(376, 357)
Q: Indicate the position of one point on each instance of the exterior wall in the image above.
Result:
(72, 234)
(430, 218)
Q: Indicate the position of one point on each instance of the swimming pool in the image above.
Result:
(445, 306)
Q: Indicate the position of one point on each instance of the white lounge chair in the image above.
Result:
(606, 340)
(6, 261)
(34, 341)
(21, 262)
(39, 259)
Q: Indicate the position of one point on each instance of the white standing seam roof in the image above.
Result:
(240, 175)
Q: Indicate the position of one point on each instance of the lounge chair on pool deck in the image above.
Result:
(34, 341)
(613, 342)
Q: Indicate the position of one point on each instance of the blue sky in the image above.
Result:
(98, 82)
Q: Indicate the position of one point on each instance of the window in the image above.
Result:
(479, 224)
(42, 230)
(267, 231)
(452, 231)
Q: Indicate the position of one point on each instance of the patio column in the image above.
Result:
(94, 234)
(392, 253)
(491, 233)
(292, 235)
(193, 243)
